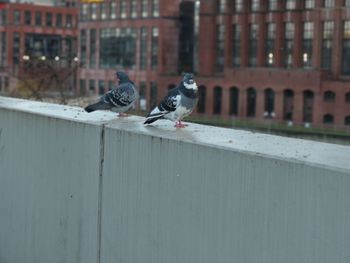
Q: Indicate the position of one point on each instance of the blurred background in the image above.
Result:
(278, 67)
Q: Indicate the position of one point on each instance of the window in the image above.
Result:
(93, 48)
(122, 9)
(290, 4)
(93, 11)
(308, 36)
(221, 6)
(255, 6)
(270, 44)
(16, 48)
(239, 6)
(288, 105)
(236, 45)
(154, 48)
(37, 45)
(59, 20)
(288, 44)
(111, 84)
(327, 39)
(103, 11)
(217, 100)
(84, 12)
(328, 119)
(269, 106)
(133, 8)
(112, 10)
(117, 48)
(69, 21)
(38, 19)
(3, 49)
(16, 17)
(329, 96)
(234, 96)
(92, 85)
(28, 17)
(253, 45)
(346, 49)
(347, 97)
(3, 17)
(143, 48)
(347, 3)
(309, 4)
(155, 8)
(220, 47)
(82, 89)
(48, 19)
(6, 81)
(308, 101)
(154, 94)
(272, 5)
(101, 87)
(144, 8)
(202, 94)
(83, 47)
(251, 102)
(347, 120)
(328, 3)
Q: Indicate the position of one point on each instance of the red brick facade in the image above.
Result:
(24, 24)
(301, 81)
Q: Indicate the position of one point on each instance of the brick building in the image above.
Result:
(30, 31)
(285, 60)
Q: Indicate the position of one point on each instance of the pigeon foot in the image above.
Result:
(122, 114)
(179, 124)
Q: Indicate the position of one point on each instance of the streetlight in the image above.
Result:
(43, 58)
(76, 59)
(57, 58)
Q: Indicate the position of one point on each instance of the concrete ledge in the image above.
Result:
(326, 155)
(78, 187)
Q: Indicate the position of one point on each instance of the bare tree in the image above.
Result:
(38, 77)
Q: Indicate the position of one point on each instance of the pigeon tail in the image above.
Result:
(101, 105)
(151, 119)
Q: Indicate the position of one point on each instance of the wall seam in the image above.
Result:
(100, 193)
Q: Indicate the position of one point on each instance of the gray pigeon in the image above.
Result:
(178, 104)
(119, 99)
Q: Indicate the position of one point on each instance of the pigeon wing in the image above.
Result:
(170, 102)
(121, 96)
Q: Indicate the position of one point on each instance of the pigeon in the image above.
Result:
(119, 99)
(177, 104)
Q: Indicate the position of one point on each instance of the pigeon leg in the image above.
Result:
(179, 124)
(122, 114)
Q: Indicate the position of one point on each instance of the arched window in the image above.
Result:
(288, 104)
(202, 94)
(329, 96)
(328, 119)
(308, 105)
(217, 100)
(269, 101)
(347, 120)
(347, 97)
(171, 86)
(251, 102)
(234, 98)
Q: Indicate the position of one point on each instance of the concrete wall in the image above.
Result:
(78, 187)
